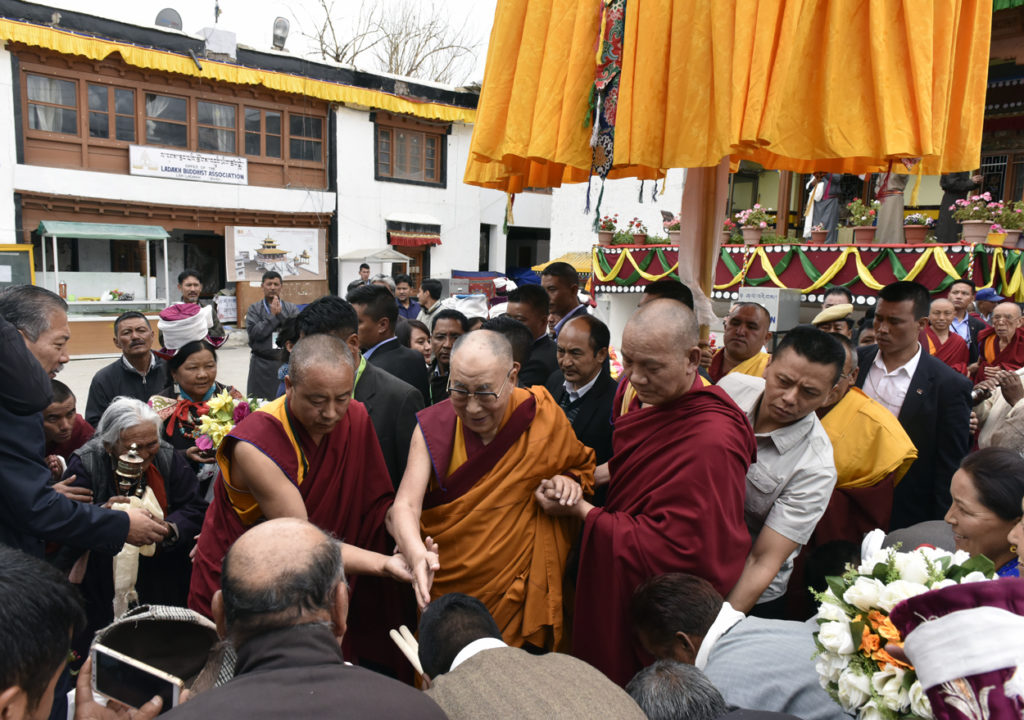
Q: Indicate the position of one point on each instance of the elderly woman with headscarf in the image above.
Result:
(163, 578)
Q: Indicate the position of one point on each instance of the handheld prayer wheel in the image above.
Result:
(129, 473)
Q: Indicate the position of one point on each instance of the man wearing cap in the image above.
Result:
(138, 373)
(939, 339)
(1002, 345)
(985, 300)
(835, 319)
(746, 334)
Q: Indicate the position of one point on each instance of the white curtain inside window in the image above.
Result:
(224, 116)
(48, 90)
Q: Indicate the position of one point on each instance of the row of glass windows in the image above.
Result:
(53, 107)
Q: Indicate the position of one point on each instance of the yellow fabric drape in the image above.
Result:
(70, 43)
(802, 85)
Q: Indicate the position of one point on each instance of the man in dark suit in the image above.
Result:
(562, 284)
(138, 373)
(378, 313)
(474, 674)
(263, 321)
(583, 386)
(34, 332)
(391, 403)
(931, 400)
(967, 324)
(529, 305)
(283, 604)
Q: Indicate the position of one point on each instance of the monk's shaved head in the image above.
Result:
(659, 351)
(277, 574)
(942, 304)
(493, 345)
(318, 351)
(666, 317)
(1010, 308)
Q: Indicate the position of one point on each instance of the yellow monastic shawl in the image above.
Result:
(868, 442)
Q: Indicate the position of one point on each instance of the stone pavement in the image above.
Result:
(232, 369)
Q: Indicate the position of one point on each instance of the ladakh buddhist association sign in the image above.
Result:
(186, 165)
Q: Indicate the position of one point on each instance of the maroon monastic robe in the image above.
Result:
(347, 492)
(954, 352)
(989, 355)
(675, 504)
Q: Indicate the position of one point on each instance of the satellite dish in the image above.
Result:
(281, 26)
(169, 18)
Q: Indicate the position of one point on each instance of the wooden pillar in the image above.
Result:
(782, 218)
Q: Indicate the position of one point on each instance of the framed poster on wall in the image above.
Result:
(296, 253)
(16, 266)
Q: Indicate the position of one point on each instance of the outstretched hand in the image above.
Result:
(563, 489)
(423, 569)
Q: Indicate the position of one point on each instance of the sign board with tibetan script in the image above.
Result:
(187, 165)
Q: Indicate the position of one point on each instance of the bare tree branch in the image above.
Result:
(411, 38)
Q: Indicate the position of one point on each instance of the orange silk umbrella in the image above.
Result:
(802, 85)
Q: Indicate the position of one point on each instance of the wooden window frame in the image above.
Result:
(387, 123)
(77, 107)
(286, 137)
(191, 129)
(64, 68)
(263, 134)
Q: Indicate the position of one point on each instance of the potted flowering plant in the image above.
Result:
(606, 229)
(916, 227)
(638, 230)
(862, 219)
(1011, 219)
(819, 233)
(729, 229)
(976, 215)
(860, 659)
(672, 228)
(754, 222)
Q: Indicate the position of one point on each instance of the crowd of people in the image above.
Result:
(568, 538)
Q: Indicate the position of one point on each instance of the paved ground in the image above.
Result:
(232, 369)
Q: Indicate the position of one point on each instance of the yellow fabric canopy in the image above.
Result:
(70, 43)
(803, 85)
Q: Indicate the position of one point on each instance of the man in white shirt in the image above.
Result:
(789, 485)
(930, 399)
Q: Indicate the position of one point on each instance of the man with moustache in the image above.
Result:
(746, 335)
(138, 373)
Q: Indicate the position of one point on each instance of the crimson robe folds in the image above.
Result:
(347, 492)
(675, 504)
(954, 352)
(1009, 358)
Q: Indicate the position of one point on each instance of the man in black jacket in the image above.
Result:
(391, 403)
(449, 326)
(34, 329)
(966, 324)
(931, 400)
(138, 373)
(583, 386)
(378, 313)
(529, 305)
(283, 604)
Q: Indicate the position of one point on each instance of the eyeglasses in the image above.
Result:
(482, 396)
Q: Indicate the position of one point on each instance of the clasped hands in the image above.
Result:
(561, 495)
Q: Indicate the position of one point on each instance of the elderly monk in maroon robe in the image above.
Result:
(1002, 345)
(311, 454)
(676, 485)
(940, 341)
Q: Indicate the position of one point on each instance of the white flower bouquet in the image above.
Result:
(860, 659)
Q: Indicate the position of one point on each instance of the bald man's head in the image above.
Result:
(318, 351)
(941, 314)
(281, 573)
(659, 351)
(493, 345)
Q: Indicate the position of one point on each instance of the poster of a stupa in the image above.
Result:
(296, 253)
